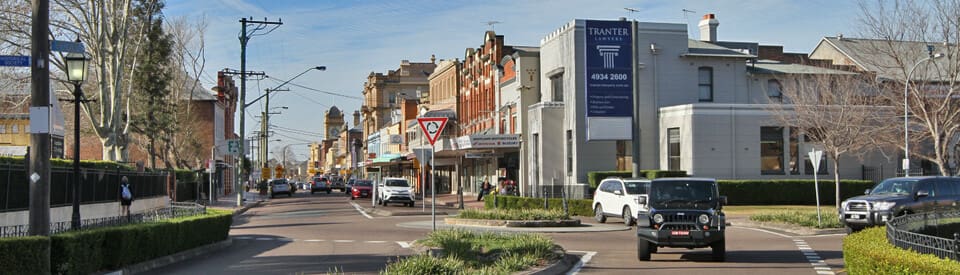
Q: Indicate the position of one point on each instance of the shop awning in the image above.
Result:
(386, 159)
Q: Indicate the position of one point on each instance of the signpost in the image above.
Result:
(66, 46)
(233, 147)
(815, 156)
(14, 61)
(432, 127)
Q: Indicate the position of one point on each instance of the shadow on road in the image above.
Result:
(737, 256)
(281, 225)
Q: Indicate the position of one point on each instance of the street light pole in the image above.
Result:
(906, 108)
(76, 72)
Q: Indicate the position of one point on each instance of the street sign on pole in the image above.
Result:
(432, 127)
(815, 156)
(66, 46)
(233, 147)
(14, 61)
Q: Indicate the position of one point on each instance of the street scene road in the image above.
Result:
(329, 233)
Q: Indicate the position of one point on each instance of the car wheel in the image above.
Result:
(353, 198)
(643, 250)
(852, 229)
(411, 204)
(598, 214)
(289, 194)
(311, 192)
(719, 250)
(328, 191)
(273, 196)
(627, 216)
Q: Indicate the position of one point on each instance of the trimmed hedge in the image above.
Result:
(577, 207)
(787, 192)
(594, 178)
(68, 163)
(868, 252)
(84, 252)
(23, 255)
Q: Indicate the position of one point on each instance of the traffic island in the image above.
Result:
(513, 223)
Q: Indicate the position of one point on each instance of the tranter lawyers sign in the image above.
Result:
(609, 79)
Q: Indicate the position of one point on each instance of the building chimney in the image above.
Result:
(356, 118)
(708, 28)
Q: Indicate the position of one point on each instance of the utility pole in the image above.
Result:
(245, 35)
(265, 121)
(39, 150)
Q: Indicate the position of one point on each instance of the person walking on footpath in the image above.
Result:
(484, 189)
(126, 197)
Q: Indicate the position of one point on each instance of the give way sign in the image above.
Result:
(432, 126)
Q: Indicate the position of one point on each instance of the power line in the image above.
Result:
(320, 91)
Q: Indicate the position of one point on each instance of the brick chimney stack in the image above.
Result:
(708, 28)
(356, 118)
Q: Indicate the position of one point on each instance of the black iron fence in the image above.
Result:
(928, 233)
(176, 210)
(96, 185)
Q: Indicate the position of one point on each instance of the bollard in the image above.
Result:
(956, 245)
(545, 199)
(495, 197)
(566, 210)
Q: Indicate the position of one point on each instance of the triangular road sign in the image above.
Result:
(432, 127)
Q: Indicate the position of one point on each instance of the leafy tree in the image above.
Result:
(153, 117)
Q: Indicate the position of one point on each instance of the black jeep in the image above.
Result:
(681, 212)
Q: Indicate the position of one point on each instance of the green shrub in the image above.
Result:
(868, 252)
(467, 252)
(828, 219)
(88, 251)
(594, 178)
(24, 255)
(577, 207)
(513, 214)
(787, 192)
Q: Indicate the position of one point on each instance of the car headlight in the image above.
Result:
(883, 205)
(657, 218)
(703, 219)
(843, 205)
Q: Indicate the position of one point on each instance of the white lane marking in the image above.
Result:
(767, 231)
(375, 241)
(313, 240)
(343, 241)
(356, 206)
(264, 239)
(404, 244)
(818, 264)
(583, 261)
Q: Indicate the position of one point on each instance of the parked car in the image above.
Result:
(395, 190)
(616, 197)
(681, 212)
(349, 184)
(899, 196)
(320, 184)
(280, 186)
(337, 183)
(361, 189)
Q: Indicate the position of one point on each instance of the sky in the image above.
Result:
(354, 38)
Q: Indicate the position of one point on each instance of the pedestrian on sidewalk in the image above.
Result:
(484, 189)
(126, 197)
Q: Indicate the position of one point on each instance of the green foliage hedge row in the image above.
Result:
(526, 214)
(594, 178)
(22, 255)
(577, 207)
(868, 252)
(787, 192)
(65, 163)
(88, 251)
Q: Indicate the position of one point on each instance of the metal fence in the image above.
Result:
(96, 185)
(176, 210)
(919, 232)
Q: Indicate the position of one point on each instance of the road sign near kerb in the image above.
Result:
(432, 127)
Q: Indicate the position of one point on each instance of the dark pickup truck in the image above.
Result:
(899, 196)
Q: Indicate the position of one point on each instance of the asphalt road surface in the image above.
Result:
(325, 233)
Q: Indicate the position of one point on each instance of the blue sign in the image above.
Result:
(14, 61)
(609, 79)
(66, 46)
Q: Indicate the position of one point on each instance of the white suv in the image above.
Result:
(624, 198)
(396, 190)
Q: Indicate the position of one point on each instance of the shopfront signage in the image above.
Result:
(609, 79)
(488, 141)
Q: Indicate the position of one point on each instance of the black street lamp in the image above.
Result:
(76, 72)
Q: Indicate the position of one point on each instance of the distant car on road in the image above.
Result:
(280, 186)
(337, 183)
(320, 184)
(899, 196)
(361, 189)
(395, 190)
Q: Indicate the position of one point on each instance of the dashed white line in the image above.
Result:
(313, 241)
(818, 264)
(343, 241)
(583, 261)
(404, 244)
(375, 241)
(357, 206)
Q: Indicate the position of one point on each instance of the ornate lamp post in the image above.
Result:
(76, 73)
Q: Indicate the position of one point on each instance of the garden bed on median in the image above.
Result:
(512, 218)
(805, 216)
(465, 252)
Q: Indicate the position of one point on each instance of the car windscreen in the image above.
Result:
(279, 182)
(397, 183)
(894, 187)
(363, 183)
(636, 187)
(668, 192)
